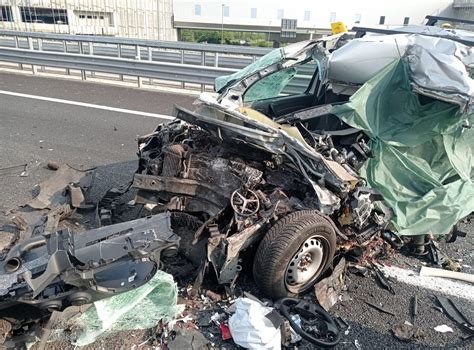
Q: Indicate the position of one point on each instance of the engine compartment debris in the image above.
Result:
(82, 266)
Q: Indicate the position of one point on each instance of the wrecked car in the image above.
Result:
(251, 179)
(314, 149)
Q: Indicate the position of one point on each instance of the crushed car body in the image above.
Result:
(313, 151)
(280, 156)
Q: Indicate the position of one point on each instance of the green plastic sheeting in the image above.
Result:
(423, 163)
(140, 308)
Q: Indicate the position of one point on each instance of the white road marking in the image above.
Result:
(89, 105)
(440, 285)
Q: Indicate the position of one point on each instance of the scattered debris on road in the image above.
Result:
(407, 332)
(379, 308)
(414, 309)
(140, 308)
(255, 326)
(51, 191)
(382, 280)
(453, 312)
(443, 329)
(426, 271)
(328, 290)
(53, 165)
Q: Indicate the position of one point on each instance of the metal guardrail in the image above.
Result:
(158, 70)
(175, 45)
(174, 56)
(181, 62)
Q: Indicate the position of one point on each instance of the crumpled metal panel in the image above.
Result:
(439, 32)
(89, 262)
(235, 244)
(450, 81)
(361, 59)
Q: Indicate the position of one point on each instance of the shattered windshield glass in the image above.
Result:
(270, 86)
(290, 52)
(292, 81)
(265, 61)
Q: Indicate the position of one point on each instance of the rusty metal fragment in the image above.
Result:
(328, 290)
(20, 223)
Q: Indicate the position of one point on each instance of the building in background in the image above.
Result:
(283, 19)
(463, 9)
(144, 19)
(278, 20)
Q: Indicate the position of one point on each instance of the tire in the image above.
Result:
(282, 246)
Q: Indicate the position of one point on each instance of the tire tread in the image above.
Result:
(274, 246)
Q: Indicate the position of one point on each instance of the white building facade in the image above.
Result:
(144, 19)
(310, 14)
(161, 19)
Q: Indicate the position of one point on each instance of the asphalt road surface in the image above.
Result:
(34, 129)
(87, 124)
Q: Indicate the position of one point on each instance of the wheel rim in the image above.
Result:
(305, 265)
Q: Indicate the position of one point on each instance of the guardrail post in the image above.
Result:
(216, 59)
(203, 63)
(138, 58)
(17, 45)
(91, 52)
(119, 49)
(40, 48)
(150, 58)
(68, 71)
(183, 84)
(81, 51)
(30, 47)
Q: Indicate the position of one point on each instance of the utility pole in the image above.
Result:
(269, 29)
(222, 24)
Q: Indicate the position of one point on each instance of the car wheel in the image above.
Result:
(293, 254)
